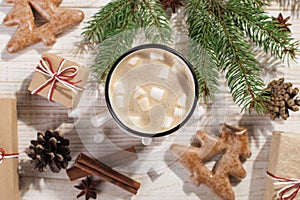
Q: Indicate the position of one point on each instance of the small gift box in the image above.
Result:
(9, 181)
(283, 181)
(59, 80)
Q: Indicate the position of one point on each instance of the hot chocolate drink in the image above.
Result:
(151, 90)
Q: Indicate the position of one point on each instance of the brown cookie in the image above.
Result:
(21, 15)
(232, 144)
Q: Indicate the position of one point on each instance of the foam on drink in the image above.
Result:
(157, 91)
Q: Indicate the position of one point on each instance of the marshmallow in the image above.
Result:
(156, 56)
(133, 60)
(118, 88)
(144, 104)
(168, 121)
(157, 93)
(164, 73)
(181, 101)
(178, 65)
(135, 120)
(178, 112)
(138, 92)
(119, 100)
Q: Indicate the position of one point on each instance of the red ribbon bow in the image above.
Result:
(59, 76)
(5, 155)
(288, 192)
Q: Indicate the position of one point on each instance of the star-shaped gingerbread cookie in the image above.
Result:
(58, 20)
(232, 144)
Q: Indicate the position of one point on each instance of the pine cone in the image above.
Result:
(282, 99)
(51, 149)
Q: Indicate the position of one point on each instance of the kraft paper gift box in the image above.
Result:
(284, 161)
(9, 181)
(61, 93)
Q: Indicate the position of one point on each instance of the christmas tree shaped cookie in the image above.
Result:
(232, 144)
(22, 15)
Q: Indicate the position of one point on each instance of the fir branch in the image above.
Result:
(116, 25)
(109, 50)
(115, 17)
(220, 29)
(262, 29)
(206, 71)
(120, 15)
(155, 22)
(260, 3)
(242, 71)
(202, 55)
(229, 49)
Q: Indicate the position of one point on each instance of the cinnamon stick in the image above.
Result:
(99, 166)
(106, 173)
(107, 178)
(75, 173)
(115, 159)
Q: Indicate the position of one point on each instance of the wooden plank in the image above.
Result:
(36, 113)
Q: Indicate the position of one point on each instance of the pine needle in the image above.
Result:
(219, 31)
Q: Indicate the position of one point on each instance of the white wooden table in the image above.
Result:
(36, 113)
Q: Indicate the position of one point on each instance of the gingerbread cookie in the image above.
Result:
(232, 144)
(21, 15)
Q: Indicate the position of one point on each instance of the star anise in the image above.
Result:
(88, 188)
(283, 23)
(173, 4)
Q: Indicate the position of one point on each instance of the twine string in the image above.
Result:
(4, 155)
(62, 75)
(290, 188)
